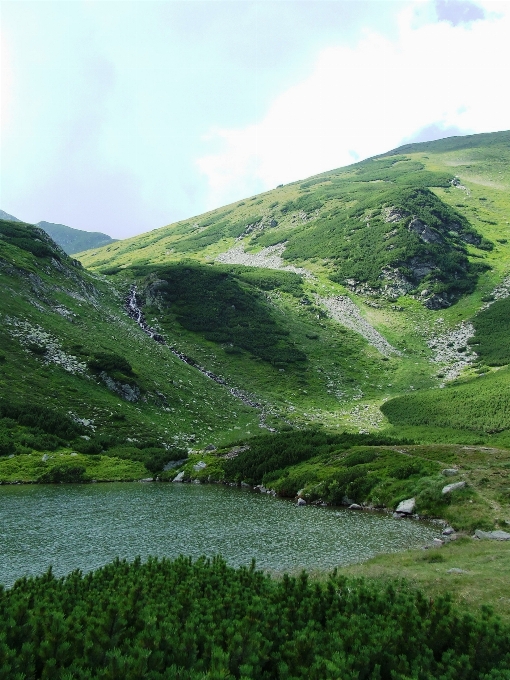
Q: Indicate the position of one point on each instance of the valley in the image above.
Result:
(342, 339)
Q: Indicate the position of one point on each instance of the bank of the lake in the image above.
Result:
(84, 526)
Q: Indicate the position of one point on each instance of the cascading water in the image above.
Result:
(135, 313)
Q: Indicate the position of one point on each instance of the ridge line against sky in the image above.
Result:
(121, 117)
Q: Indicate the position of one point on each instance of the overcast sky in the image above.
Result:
(125, 116)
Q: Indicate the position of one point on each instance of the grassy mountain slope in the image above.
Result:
(414, 241)
(315, 303)
(75, 240)
(67, 344)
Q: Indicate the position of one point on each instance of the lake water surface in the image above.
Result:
(84, 526)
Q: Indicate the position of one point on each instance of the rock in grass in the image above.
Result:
(449, 472)
(407, 507)
(493, 535)
(179, 477)
(453, 487)
(456, 570)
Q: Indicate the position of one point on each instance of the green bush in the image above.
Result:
(480, 404)
(60, 474)
(6, 446)
(185, 620)
(492, 330)
(109, 362)
(270, 453)
(41, 418)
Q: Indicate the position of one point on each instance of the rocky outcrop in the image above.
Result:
(424, 232)
(124, 390)
(393, 214)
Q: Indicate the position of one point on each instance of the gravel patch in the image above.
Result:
(267, 258)
(343, 310)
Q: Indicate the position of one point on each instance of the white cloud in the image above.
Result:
(365, 100)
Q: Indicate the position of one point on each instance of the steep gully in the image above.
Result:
(135, 313)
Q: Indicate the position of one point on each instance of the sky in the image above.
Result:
(122, 116)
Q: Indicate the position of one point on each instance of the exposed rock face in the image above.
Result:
(439, 301)
(472, 239)
(425, 232)
(421, 269)
(124, 390)
(407, 507)
(393, 214)
(395, 283)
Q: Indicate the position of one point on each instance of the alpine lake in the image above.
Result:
(84, 526)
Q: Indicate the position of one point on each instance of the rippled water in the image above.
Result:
(86, 526)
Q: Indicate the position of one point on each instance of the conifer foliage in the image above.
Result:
(188, 620)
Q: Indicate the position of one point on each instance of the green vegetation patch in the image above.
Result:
(58, 467)
(492, 337)
(401, 230)
(480, 404)
(29, 238)
(225, 309)
(268, 455)
(185, 620)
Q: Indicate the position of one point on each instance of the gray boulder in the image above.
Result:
(179, 477)
(407, 507)
(355, 506)
(448, 531)
(449, 472)
(200, 466)
(456, 570)
(301, 501)
(453, 487)
(493, 535)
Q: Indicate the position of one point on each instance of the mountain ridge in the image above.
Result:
(69, 239)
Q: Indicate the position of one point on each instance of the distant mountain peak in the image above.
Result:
(74, 241)
(6, 216)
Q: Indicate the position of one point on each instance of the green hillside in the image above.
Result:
(75, 240)
(367, 299)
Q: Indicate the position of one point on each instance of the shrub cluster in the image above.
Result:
(492, 327)
(481, 404)
(268, 455)
(33, 426)
(225, 308)
(182, 620)
(29, 238)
